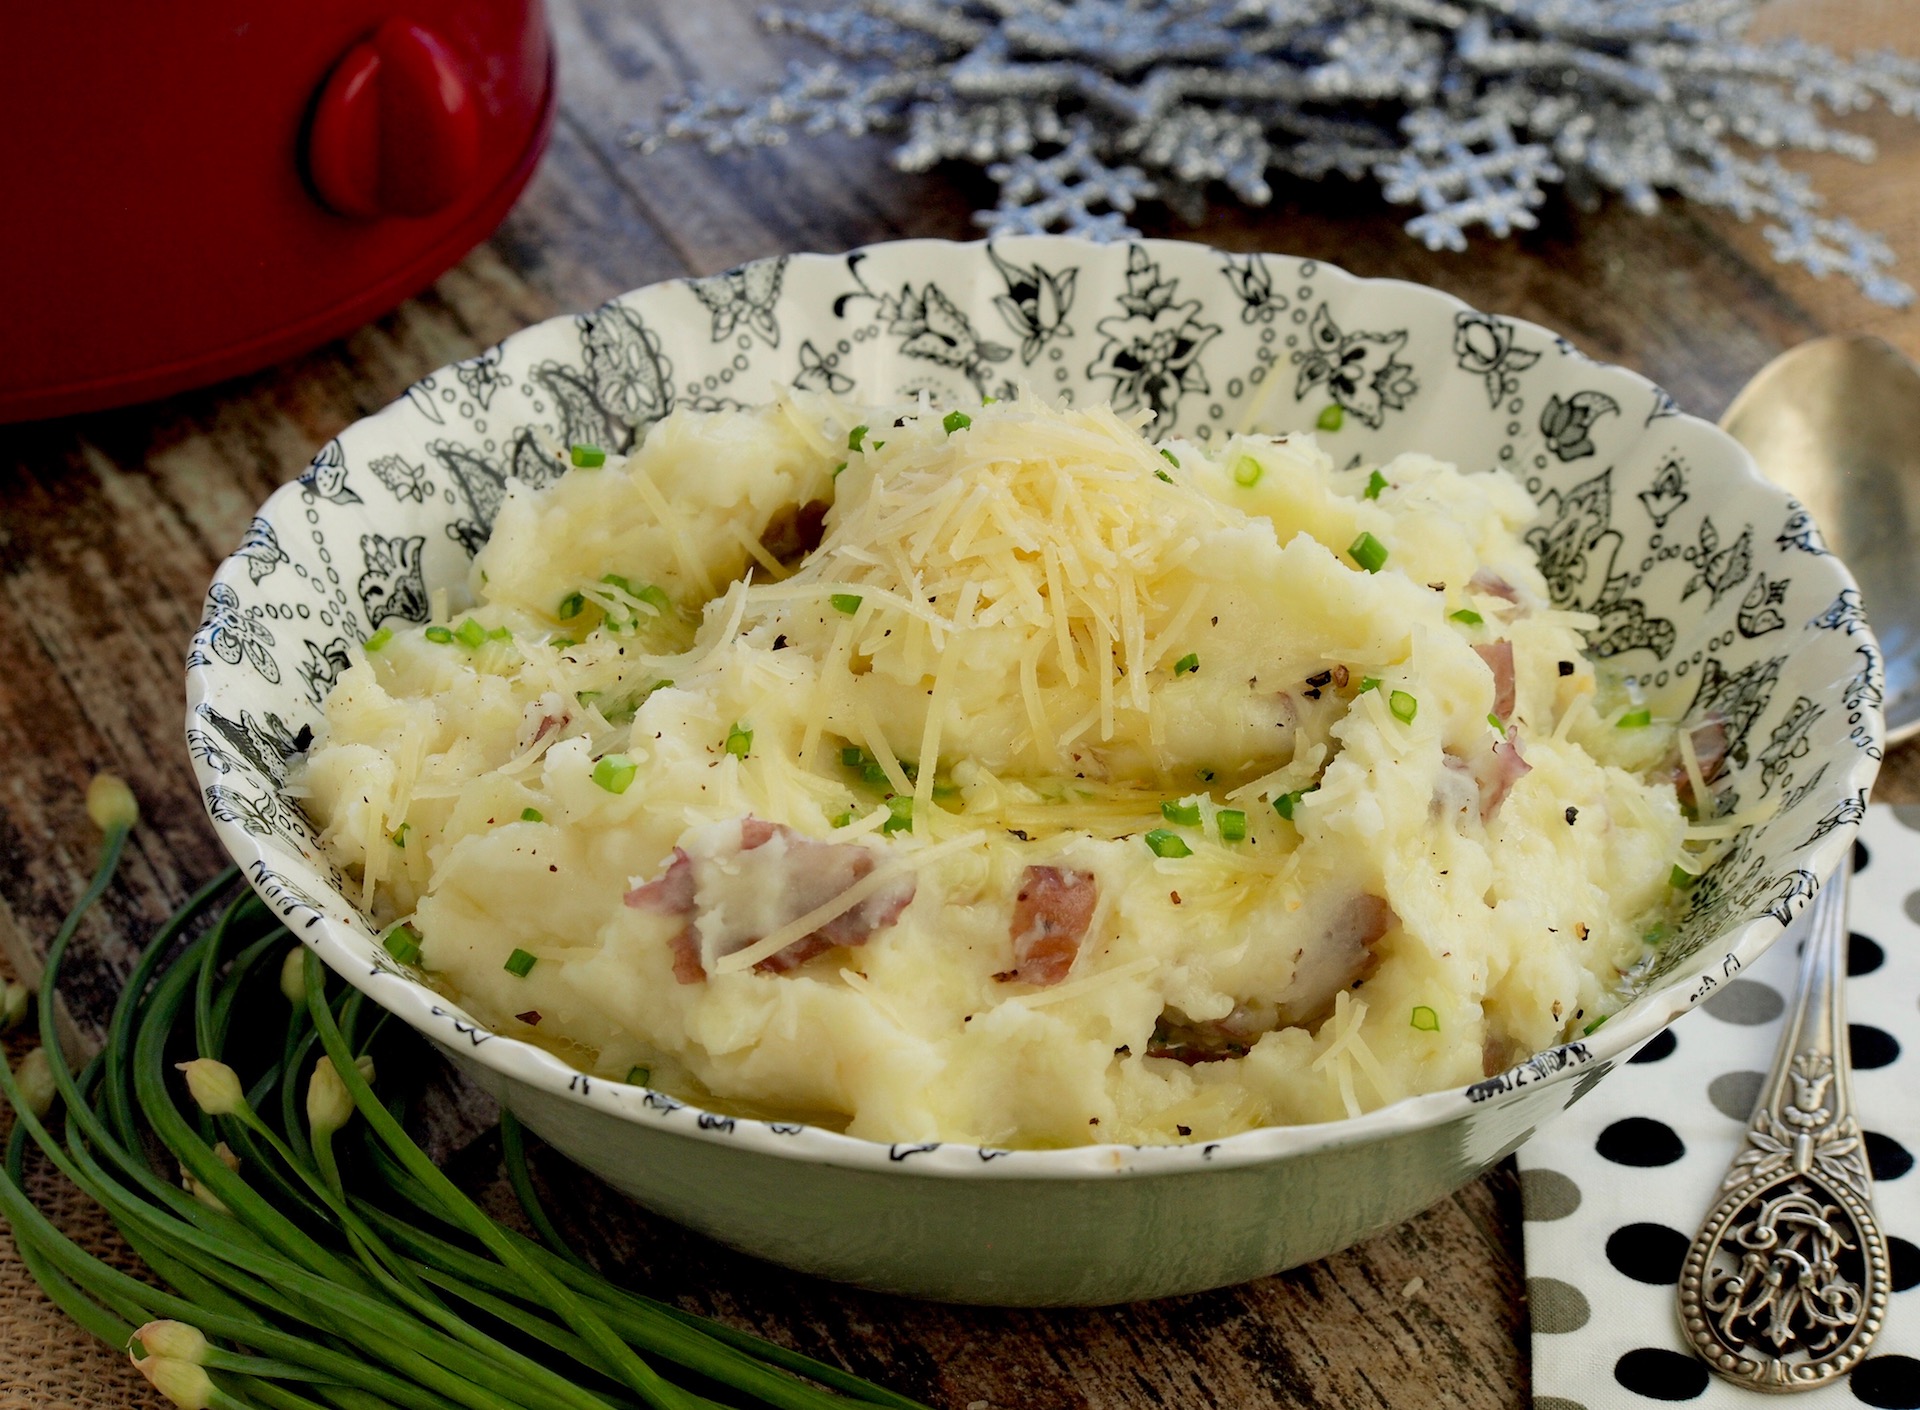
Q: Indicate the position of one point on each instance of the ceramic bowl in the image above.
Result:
(1711, 587)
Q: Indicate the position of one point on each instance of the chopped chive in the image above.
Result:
(639, 1076)
(1376, 482)
(872, 774)
(654, 597)
(571, 606)
(471, 634)
(1494, 720)
(847, 602)
(1368, 683)
(1368, 552)
(399, 835)
(1170, 457)
(1287, 802)
(380, 638)
(1186, 814)
(988, 401)
(1425, 1019)
(1163, 475)
(1467, 615)
(532, 815)
(588, 457)
(853, 756)
(561, 643)
(842, 818)
(1594, 1027)
(440, 635)
(500, 634)
(878, 444)
(1331, 418)
(520, 964)
(1232, 824)
(1680, 879)
(899, 813)
(403, 943)
(1635, 719)
(855, 437)
(956, 421)
(838, 468)
(1403, 706)
(615, 773)
(1187, 664)
(586, 697)
(1162, 843)
(1247, 472)
(739, 741)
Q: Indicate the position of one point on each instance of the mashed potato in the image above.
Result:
(1005, 777)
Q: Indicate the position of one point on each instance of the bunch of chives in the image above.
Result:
(308, 1253)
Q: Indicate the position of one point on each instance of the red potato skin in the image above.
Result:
(1051, 913)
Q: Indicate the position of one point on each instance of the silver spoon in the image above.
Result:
(1836, 423)
(1786, 1284)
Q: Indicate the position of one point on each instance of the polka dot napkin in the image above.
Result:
(1615, 1188)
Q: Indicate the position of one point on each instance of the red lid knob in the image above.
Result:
(396, 130)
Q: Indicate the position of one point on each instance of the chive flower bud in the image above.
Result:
(1376, 482)
(110, 803)
(214, 1086)
(1163, 843)
(293, 977)
(13, 1006)
(329, 1104)
(615, 773)
(1368, 552)
(175, 1340)
(35, 1076)
(185, 1384)
(1331, 418)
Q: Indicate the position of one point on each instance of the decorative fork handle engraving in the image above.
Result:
(1787, 1282)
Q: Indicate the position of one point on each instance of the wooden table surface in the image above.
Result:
(111, 524)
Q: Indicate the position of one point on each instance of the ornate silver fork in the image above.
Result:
(1787, 1282)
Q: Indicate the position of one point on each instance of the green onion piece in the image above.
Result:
(1167, 844)
(403, 943)
(855, 437)
(739, 741)
(1403, 706)
(586, 697)
(1594, 1027)
(956, 421)
(842, 818)
(1170, 457)
(615, 773)
(440, 635)
(1376, 482)
(988, 401)
(1494, 720)
(1425, 1019)
(1635, 719)
(639, 1076)
(1163, 475)
(471, 634)
(561, 643)
(872, 774)
(838, 468)
(1287, 802)
(532, 815)
(380, 638)
(1469, 616)
(1680, 879)
(899, 813)
(1368, 683)
(1331, 418)
(1232, 824)
(1186, 814)
(1247, 472)
(878, 444)
(847, 602)
(500, 634)
(853, 756)
(399, 835)
(520, 964)
(615, 580)
(1368, 552)
(571, 606)
(1188, 663)
(588, 457)
(654, 597)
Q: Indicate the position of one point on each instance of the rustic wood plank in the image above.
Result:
(111, 524)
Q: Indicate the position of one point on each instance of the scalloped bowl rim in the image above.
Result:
(420, 1006)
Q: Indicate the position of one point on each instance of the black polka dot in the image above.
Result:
(1888, 1159)
(1640, 1140)
(1861, 856)
(1887, 1382)
(1871, 1047)
(1648, 1253)
(1662, 1375)
(1658, 1046)
(1905, 1259)
(1864, 955)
